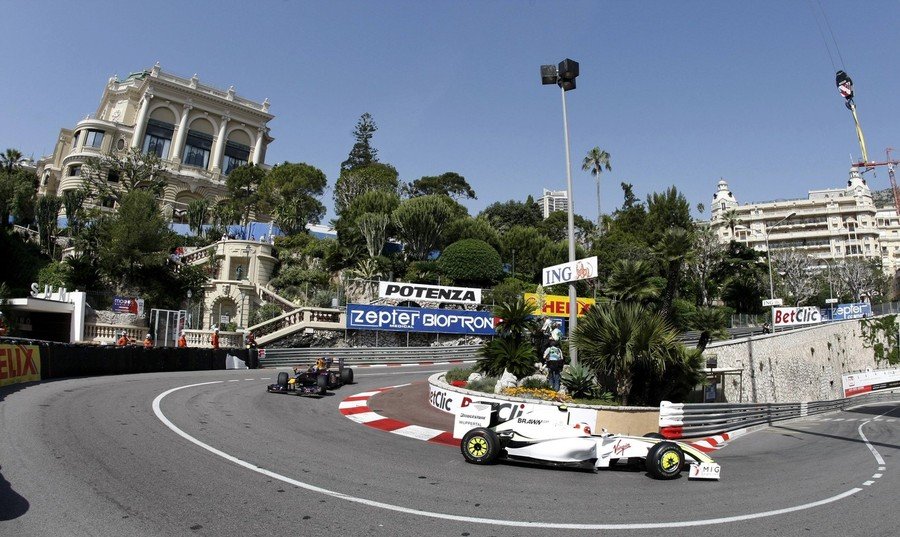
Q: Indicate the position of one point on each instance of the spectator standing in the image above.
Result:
(554, 359)
(148, 342)
(215, 339)
(182, 341)
(123, 339)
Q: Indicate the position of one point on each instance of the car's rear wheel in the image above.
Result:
(480, 446)
(347, 375)
(665, 460)
(282, 379)
(322, 383)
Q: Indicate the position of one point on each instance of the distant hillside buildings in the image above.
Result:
(553, 200)
(833, 223)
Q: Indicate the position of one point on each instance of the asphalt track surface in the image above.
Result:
(90, 456)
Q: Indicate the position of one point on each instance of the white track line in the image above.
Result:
(476, 520)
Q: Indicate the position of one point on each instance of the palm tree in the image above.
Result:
(595, 161)
(511, 350)
(196, 212)
(731, 220)
(615, 339)
(674, 249)
(632, 281)
(11, 159)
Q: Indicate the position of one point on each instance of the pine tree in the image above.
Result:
(362, 153)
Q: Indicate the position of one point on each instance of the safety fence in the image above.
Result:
(276, 357)
(681, 420)
(23, 360)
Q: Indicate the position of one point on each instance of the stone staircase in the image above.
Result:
(296, 320)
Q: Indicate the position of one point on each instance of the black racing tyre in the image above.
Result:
(322, 383)
(480, 446)
(347, 375)
(665, 460)
(282, 379)
(655, 435)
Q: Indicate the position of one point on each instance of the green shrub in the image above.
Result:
(535, 383)
(486, 385)
(264, 313)
(471, 262)
(580, 381)
(458, 373)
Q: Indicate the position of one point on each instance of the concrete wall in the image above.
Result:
(795, 366)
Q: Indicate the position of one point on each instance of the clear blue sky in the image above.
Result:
(679, 93)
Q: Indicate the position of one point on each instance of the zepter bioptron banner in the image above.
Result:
(432, 293)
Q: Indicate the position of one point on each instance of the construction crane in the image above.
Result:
(845, 86)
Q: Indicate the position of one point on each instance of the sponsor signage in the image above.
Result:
(434, 293)
(558, 305)
(128, 305)
(455, 402)
(477, 415)
(436, 321)
(831, 301)
(581, 269)
(795, 316)
(858, 310)
(773, 302)
(870, 381)
(19, 363)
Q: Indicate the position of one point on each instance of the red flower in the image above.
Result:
(458, 383)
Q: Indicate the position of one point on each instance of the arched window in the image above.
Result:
(159, 131)
(237, 150)
(198, 144)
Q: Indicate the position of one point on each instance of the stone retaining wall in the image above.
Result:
(792, 367)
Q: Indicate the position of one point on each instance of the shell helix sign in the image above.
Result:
(19, 363)
(558, 305)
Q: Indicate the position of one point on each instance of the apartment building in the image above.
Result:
(832, 223)
(553, 200)
(200, 132)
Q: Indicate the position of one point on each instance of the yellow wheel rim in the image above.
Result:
(670, 461)
(477, 447)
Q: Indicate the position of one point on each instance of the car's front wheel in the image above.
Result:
(480, 446)
(665, 460)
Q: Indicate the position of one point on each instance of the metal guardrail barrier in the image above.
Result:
(680, 420)
(275, 357)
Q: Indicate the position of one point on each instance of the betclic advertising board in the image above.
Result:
(782, 317)
(870, 381)
(435, 321)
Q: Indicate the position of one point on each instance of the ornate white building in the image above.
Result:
(201, 133)
(830, 224)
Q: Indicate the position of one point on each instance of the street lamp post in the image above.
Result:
(769, 259)
(563, 75)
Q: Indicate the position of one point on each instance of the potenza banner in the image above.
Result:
(795, 316)
(435, 293)
(558, 305)
(870, 381)
(436, 321)
(581, 269)
(19, 363)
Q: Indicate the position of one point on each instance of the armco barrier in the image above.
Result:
(66, 360)
(281, 357)
(680, 420)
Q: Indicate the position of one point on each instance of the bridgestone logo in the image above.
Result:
(461, 295)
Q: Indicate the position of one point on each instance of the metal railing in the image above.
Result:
(681, 420)
(275, 357)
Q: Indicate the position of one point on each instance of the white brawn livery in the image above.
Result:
(418, 291)
(545, 436)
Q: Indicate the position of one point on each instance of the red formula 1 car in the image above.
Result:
(316, 379)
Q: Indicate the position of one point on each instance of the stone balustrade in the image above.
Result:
(107, 334)
(202, 339)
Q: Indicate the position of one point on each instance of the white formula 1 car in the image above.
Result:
(545, 436)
